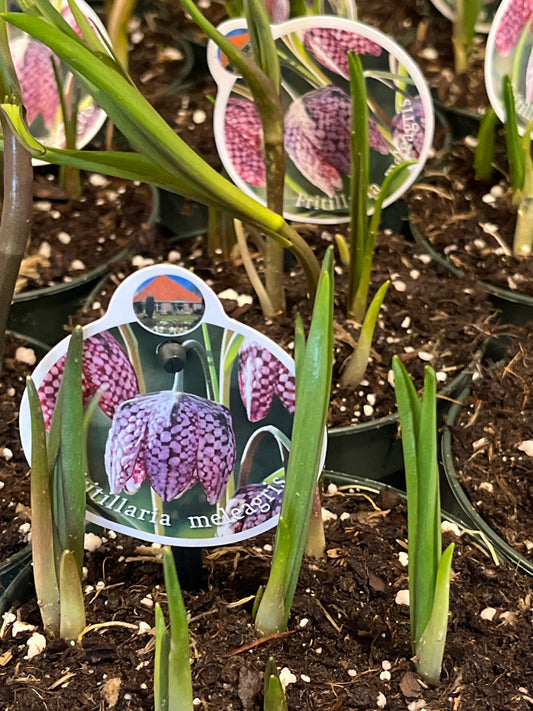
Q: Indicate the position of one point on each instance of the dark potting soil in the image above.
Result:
(493, 447)
(72, 237)
(348, 642)
(470, 222)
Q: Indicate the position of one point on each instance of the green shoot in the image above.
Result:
(313, 382)
(429, 568)
(464, 29)
(484, 154)
(520, 173)
(58, 501)
(274, 694)
(172, 667)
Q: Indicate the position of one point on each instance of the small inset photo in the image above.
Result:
(168, 305)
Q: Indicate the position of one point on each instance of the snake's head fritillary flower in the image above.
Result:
(317, 137)
(278, 10)
(261, 376)
(331, 46)
(174, 440)
(512, 24)
(251, 506)
(104, 364)
(35, 72)
(408, 127)
(244, 140)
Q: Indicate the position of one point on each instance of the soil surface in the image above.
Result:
(72, 237)
(348, 642)
(493, 447)
(469, 222)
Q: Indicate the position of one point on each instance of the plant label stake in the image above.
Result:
(510, 52)
(188, 443)
(315, 93)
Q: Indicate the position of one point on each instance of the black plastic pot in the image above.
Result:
(465, 509)
(42, 313)
(515, 308)
(373, 449)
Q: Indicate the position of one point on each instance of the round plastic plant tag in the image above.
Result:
(41, 92)
(486, 14)
(510, 52)
(315, 92)
(189, 442)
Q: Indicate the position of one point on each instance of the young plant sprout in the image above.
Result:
(360, 253)
(520, 167)
(464, 29)
(163, 158)
(429, 567)
(172, 667)
(58, 500)
(313, 381)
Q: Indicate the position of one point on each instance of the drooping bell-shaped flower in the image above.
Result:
(174, 440)
(331, 46)
(251, 506)
(512, 24)
(408, 127)
(317, 137)
(261, 376)
(278, 10)
(104, 364)
(33, 65)
(244, 140)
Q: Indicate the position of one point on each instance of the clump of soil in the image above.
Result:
(348, 642)
(493, 447)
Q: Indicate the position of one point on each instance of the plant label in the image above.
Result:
(190, 439)
(317, 106)
(510, 51)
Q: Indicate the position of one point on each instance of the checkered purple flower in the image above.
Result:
(33, 64)
(104, 364)
(174, 440)
(261, 376)
(251, 506)
(244, 140)
(331, 46)
(317, 137)
(512, 24)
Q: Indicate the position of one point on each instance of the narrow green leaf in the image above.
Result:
(44, 569)
(515, 152)
(179, 667)
(69, 474)
(484, 153)
(430, 649)
(360, 160)
(312, 400)
(299, 347)
(409, 415)
(274, 695)
(428, 545)
(356, 365)
(263, 44)
(71, 598)
(162, 649)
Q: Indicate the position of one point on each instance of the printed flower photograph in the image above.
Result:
(317, 121)
(194, 450)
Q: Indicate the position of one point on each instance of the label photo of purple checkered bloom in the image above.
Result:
(510, 52)
(317, 115)
(190, 414)
(36, 68)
